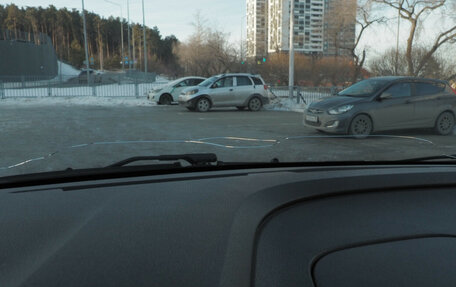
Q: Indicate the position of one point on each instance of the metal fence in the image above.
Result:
(305, 95)
(123, 85)
(103, 85)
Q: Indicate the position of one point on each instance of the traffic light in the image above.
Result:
(264, 60)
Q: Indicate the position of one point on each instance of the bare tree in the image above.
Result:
(207, 51)
(414, 11)
(436, 67)
(364, 19)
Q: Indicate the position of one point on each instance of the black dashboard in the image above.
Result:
(304, 226)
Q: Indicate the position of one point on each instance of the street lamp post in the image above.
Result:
(121, 31)
(85, 43)
(129, 43)
(145, 44)
(397, 41)
(291, 63)
(242, 36)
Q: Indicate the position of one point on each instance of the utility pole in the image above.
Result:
(85, 43)
(129, 43)
(121, 32)
(397, 40)
(242, 36)
(291, 64)
(145, 41)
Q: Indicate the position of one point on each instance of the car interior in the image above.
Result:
(264, 225)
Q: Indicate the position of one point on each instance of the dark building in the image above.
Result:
(26, 55)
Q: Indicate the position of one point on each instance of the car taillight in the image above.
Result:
(454, 90)
(265, 87)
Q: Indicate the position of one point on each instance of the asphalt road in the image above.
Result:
(58, 137)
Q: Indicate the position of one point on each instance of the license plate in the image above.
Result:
(312, 119)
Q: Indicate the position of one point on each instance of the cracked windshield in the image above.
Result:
(86, 84)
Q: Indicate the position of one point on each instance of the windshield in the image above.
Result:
(312, 102)
(208, 82)
(364, 88)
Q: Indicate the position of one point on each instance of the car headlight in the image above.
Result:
(192, 92)
(341, 110)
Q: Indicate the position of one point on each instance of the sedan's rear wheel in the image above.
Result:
(203, 105)
(361, 126)
(445, 124)
(255, 104)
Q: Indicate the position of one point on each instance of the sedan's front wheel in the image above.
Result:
(203, 105)
(445, 124)
(361, 126)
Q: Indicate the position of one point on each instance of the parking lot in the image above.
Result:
(45, 138)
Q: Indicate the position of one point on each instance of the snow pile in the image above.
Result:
(285, 104)
(67, 70)
(81, 101)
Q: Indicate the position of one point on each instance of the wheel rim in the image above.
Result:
(361, 126)
(255, 104)
(446, 123)
(203, 105)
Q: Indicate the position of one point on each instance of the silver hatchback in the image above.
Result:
(228, 90)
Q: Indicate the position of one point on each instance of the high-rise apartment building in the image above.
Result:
(257, 27)
(324, 27)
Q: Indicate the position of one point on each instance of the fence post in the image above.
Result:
(94, 90)
(23, 81)
(49, 90)
(136, 88)
(2, 90)
(298, 97)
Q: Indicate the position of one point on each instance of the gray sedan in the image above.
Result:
(386, 103)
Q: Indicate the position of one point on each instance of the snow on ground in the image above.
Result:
(285, 104)
(81, 101)
(67, 70)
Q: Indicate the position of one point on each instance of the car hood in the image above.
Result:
(199, 88)
(336, 101)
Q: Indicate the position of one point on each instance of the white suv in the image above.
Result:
(227, 90)
(171, 91)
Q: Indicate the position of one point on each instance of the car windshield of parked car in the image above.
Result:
(364, 88)
(365, 81)
(208, 82)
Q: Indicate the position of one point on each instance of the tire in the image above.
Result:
(166, 100)
(445, 124)
(241, 108)
(255, 104)
(361, 126)
(203, 105)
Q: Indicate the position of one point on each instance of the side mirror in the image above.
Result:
(385, 96)
(213, 86)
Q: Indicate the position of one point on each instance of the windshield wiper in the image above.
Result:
(202, 159)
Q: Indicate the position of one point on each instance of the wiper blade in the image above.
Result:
(430, 158)
(193, 159)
